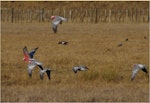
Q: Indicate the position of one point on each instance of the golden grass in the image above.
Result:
(93, 45)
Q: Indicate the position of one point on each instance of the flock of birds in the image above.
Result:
(32, 63)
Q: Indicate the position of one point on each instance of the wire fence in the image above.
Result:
(80, 15)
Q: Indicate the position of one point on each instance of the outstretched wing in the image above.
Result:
(26, 53)
(32, 52)
(144, 70)
(83, 67)
(40, 66)
(75, 69)
(134, 72)
(54, 27)
(48, 73)
(31, 66)
(58, 20)
(63, 19)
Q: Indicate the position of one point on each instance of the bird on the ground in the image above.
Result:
(126, 39)
(55, 21)
(31, 61)
(120, 44)
(42, 71)
(63, 42)
(79, 68)
(136, 68)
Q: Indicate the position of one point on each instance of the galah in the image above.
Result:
(55, 21)
(31, 61)
(42, 71)
(28, 54)
(79, 68)
(136, 68)
(63, 42)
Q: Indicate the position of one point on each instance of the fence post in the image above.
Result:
(126, 15)
(110, 16)
(105, 17)
(70, 13)
(42, 15)
(52, 12)
(91, 15)
(136, 14)
(96, 15)
(12, 15)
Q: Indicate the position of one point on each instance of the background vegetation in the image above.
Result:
(75, 4)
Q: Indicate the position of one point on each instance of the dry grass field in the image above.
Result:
(93, 45)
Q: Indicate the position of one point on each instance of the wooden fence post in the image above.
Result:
(70, 13)
(136, 14)
(91, 15)
(96, 15)
(42, 15)
(30, 16)
(126, 15)
(110, 16)
(105, 17)
(12, 15)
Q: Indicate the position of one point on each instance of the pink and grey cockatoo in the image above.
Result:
(55, 21)
(42, 71)
(31, 61)
(136, 68)
(28, 56)
(79, 68)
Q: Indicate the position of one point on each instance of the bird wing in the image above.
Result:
(83, 67)
(54, 27)
(56, 22)
(31, 66)
(40, 66)
(144, 70)
(63, 19)
(75, 69)
(25, 52)
(48, 73)
(42, 73)
(134, 72)
(32, 52)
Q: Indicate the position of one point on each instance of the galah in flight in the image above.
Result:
(55, 21)
(42, 71)
(31, 61)
(79, 68)
(136, 68)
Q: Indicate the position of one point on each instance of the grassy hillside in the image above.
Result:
(93, 45)
(71, 4)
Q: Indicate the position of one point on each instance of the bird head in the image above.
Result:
(52, 17)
